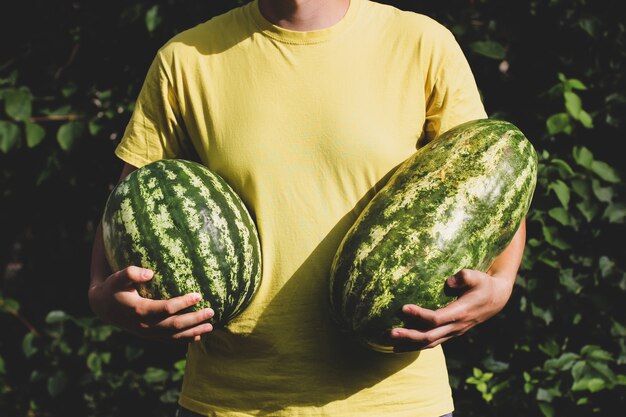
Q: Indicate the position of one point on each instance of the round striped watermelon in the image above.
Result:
(185, 223)
(456, 203)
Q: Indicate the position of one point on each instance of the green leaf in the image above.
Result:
(588, 209)
(68, 133)
(60, 111)
(11, 80)
(9, 135)
(596, 352)
(605, 171)
(589, 384)
(494, 365)
(575, 84)
(84, 322)
(34, 134)
(544, 395)
(603, 194)
(577, 318)
(551, 236)
(9, 304)
(28, 346)
(56, 316)
(102, 333)
(559, 122)
(132, 352)
(18, 103)
(563, 363)
(155, 375)
(57, 383)
(600, 369)
(95, 361)
(556, 90)
(618, 329)
(606, 266)
(560, 215)
(615, 213)
(564, 168)
(567, 279)
(490, 49)
(545, 315)
(2, 366)
(573, 104)
(581, 187)
(550, 348)
(69, 90)
(546, 409)
(585, 119)
(562, 192)
(582, 156)
(153, 19)
(591, 25)
(180, 365)
(170, 396)
(94, 127)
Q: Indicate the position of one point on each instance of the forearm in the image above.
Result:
(100, 268)
(507, 263)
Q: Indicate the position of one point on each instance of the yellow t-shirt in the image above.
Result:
(305, 126)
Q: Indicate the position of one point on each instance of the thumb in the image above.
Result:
(132, 275)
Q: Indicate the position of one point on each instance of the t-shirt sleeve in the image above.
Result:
(451, 91)
(155, 130)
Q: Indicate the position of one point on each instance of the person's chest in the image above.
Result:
(274, 113)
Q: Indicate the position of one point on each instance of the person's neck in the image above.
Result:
(304, 15)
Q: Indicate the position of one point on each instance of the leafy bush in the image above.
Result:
(68, 79)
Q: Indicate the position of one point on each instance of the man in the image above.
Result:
(305, 107)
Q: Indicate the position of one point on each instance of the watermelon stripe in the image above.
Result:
(249, 249)
(209, 224)
(163, 230)
(237, 256)
(218, 197)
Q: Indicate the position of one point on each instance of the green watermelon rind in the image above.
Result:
(455, 204)
(184, 222)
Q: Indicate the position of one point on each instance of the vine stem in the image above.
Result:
(55, 118)
(25, 322)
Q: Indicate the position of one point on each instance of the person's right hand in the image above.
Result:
(115, 300)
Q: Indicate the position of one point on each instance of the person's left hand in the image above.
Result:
(481, 297)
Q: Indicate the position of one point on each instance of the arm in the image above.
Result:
(483, 294)
(114, 299)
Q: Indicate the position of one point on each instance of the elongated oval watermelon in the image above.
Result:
(456, 203)
(185, 223)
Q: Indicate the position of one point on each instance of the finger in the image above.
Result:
(465, 278)
(420, 317)
(412, 339)
(440, 341)
(425, 337)
(176, 304)
(160, 309)
(193, 334)
(453, 312)
(403, 347)
(185, 321)
(131, 275)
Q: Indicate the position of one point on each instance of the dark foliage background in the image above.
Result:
(69, 73)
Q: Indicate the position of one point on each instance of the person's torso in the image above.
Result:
(306, 127)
